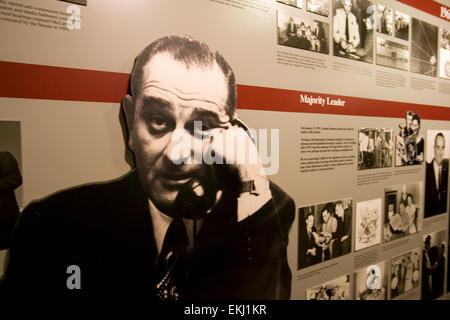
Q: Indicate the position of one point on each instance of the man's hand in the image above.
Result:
(311, 252)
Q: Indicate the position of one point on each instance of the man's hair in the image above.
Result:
(310, 213)
(409, 114)
(190, 52)
(416, 117)
(440, 134)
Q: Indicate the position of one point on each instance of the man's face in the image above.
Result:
(439, 148)
(347, 5)
(325, 216)
(172, 97)
(409, 120)
(415, 126)
(310, 221)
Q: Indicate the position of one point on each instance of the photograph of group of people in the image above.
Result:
(371, 282)
(403, 210)
(353, 28)
(368, 224)
(444, 53)
(424, 44)
(375, 148)
(337, 289)
(298, 31)
(409, 144)
(436, 175)
(405, 273)
(391, 23)
(325, 232)
(433, 265)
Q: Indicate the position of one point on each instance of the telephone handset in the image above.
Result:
(198, 196)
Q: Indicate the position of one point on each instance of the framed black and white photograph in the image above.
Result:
(403, 210)
(424, 44)
(353, 29)
(336, 289)
(385, 20)
(405, 273)
(292, 3)
(402, 22)
(433, 264)
(320, 7)
(368, 224)
(436, 173)
(392, 54)
(301, 32)
(375, 148)
(11, 191)
(325, 232)
(371, 282)
(444, 53)
(409, 143)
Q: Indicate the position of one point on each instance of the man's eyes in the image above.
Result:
(158, 124)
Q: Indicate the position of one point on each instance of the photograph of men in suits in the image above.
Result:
(436, 183)
(137, 234)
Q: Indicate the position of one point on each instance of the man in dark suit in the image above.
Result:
(436, 180)
(309, 253)
(343, 236)
(175, 227)
(10, 179)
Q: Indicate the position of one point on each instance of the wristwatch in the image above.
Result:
(256, 186)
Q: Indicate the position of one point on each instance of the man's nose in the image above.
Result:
(180, 147)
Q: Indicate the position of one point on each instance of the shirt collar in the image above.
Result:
(161, 223)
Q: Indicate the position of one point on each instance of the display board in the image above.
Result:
(348, 101)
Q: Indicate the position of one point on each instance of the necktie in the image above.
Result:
(347, 34)
(440, 177)
(172, 262)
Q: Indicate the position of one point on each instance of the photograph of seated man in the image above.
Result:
(353, 27)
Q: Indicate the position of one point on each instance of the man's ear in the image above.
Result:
(128, 108)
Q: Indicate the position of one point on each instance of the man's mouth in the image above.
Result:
(176, 179)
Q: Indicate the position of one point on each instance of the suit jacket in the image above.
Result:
(10, 179)
(106, 230)
(305, 243)
(339, 28)
(436, 199)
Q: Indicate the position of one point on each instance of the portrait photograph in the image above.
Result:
(433, 264)
(353, 29)
(336, 289)
(403, 210)
(436, 172)
(368, 224)
(371, 282)
(444, 53)
(385, 20)
(424, 45)
(320, 7)
(301, 32)
(409, 142)
(402, 22)
(375, 148)
(292, 3)
(325, 232)
(392, 54)
(405, 273)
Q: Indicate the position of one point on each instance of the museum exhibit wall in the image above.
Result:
(322, 108)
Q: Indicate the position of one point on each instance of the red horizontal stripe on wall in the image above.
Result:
(271, 99)
(429, 6)
(19, 80)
